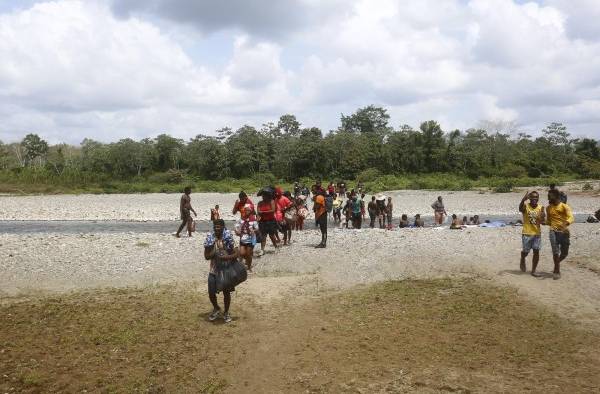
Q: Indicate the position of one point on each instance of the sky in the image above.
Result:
(112, 69)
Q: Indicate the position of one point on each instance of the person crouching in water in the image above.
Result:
(246, 229)
(531, 237)
(558, 217)
(219, 248)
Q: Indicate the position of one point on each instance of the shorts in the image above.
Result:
(268, 228)
(212, 284)
(247, 244)
(531, 242)
(559, 242)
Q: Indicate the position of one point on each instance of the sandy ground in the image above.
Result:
(154, 207)
(31, 264)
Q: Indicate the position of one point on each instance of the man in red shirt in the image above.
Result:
(321, 217)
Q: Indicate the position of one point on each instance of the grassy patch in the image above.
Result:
(46, 182)
(434, 335)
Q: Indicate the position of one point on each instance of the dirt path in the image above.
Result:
(33, 264)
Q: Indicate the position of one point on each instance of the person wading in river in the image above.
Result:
(185, 206)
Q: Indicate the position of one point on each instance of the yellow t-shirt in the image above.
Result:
(557, 215)
(532, 218)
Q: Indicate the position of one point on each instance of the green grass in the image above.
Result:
(413, 335)
(46, 182)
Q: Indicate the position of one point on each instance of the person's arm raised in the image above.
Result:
(522, 203)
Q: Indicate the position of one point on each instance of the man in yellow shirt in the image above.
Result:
(559, 218)
(533, 217)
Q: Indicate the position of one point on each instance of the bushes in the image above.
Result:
(41, 180)
(504, 187)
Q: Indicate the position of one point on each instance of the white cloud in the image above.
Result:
(71, 69)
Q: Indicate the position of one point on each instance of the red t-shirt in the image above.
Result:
(240, 207)
(282, 203)
(263, 208)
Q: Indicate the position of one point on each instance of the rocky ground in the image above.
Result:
(141, 207)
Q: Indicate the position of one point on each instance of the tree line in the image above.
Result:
(364, 145)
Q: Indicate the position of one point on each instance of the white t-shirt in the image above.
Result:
(246, 229)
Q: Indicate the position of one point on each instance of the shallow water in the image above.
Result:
(118, 226)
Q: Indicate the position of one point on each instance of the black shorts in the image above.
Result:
(212, 285)
(268, 228)
(247, 244)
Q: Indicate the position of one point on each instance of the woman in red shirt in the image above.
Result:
(267, 224)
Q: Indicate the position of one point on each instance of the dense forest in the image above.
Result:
(364, 147)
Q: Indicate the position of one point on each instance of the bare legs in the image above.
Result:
(534, 263)
(226, 300)
(184, 223)
(246, 254)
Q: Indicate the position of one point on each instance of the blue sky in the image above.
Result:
(105, 69)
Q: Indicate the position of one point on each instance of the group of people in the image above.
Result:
(279, 212)
(557, 216)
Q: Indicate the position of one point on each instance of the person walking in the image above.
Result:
(266, 219)
(215, 213)
(531, 236)
(219, 248)
(185, 207)
(247, 228)
(240, 205)
(559, 217)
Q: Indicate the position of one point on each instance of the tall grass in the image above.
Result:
(42, 180)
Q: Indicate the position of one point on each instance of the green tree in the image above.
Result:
(370, 119)
(207, 157)
(95, 157)
(169, 152)
(433, 146)
(35, 149)
(289, 125)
